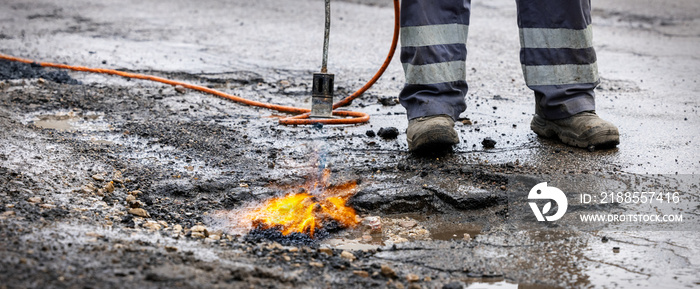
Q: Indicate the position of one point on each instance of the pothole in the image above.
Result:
(449, 234)
(375, 232)
(69, 122)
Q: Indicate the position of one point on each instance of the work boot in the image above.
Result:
(584, 129)
(435, 132)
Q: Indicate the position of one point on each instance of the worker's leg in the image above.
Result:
(433, 51)
(559, 65)
(433, 54)
(557, 55)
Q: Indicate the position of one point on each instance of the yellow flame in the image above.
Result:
(303, 212)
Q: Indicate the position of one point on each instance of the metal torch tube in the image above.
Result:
(326, 36)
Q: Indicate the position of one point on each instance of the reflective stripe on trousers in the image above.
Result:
(557, 56)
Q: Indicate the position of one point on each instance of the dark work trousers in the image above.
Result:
(557, 56)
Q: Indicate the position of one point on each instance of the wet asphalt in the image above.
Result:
(193, 154)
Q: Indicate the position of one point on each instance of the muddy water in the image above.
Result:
(54, 122)
(69, 122)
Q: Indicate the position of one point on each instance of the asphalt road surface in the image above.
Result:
(108, 182)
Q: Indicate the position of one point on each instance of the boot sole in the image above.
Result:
(438, 139)
(548, 129)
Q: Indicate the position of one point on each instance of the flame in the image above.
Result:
(303, 212)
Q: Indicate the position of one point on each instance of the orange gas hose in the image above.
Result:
(303, 113)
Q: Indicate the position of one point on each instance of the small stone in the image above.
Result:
(399, 286)
(388, 101)
(180, 89)
(200, 229)
(407, 223)
(34, 200)
(503, 187)
(414, 286)
(274, 246)
(130, 198)
(616, 249)
(135, 204)
(198, 235)
(47, 206)
(94, 235)
(374, 223)
(139, 212)
(370, 133)
(361, 273)
(604, 239)
(488, 143)
(100, 192)
(177, 228)
(347, 255)
(387, 271)
(151, 225)
(412, 278)
(466, 121)
(109, 187)
(467, 237)
(135, 193)
(388, 132)
(87, 189)
(327, 251)
(316, 264)
(98, 177)
(214, 237)
(367, 238)
(117, 177)
(591, 148)
(287, 258)
(170, 249)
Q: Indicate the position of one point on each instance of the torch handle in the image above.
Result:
(326, 36)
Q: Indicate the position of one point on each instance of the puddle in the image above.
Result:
(445, 227)
(502, 284)
(404, 228)
(54, 122)
(454, 234)
(496, 284)
(101, 141)
(69, 122)
(357, 247)
(350, 245)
